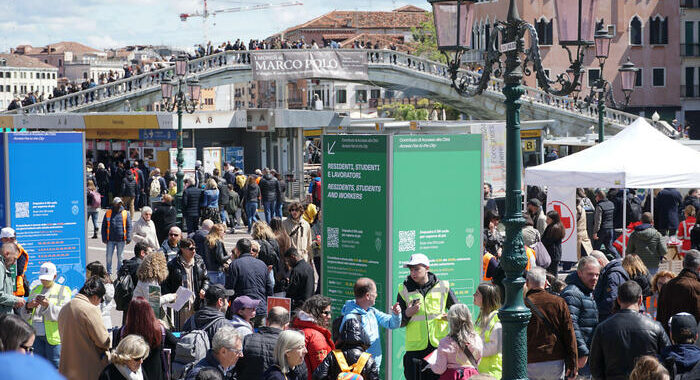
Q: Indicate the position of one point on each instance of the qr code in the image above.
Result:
(332, 237)
(407, 241)
(21, 209)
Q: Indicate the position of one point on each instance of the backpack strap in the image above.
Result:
(208, 324)
(342, 363)
(360, 363)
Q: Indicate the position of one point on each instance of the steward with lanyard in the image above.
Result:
(424, 300)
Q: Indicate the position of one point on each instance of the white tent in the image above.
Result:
(637, 157)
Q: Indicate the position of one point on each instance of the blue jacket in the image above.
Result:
(210, 198)
(209, 361)
(605, 293)
(684, 356)
(247, 276)
(116, 227)
(371, 320)
(584, 312)
(669, 203)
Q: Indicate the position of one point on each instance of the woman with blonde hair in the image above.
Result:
(289, 353)
(126, 360)
(152, 272)
(657, 282)
(210, 202)
(649, 368)
(214, 255)
(634, 266)
(488, 298)
(269, 250)
(459, 353)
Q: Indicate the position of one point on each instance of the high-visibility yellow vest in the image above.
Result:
(426, 326)
(58, 295)
(490, 365)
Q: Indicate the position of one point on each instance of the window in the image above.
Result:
(635, 31)
(53, 76)
(361, 96)
(1, 74)
(341, 96)
(638, 79)
(7, 88)
(375, 94)
(658, 30)
(544, 31)
(389, 94)
(593, 76)
(658, 77)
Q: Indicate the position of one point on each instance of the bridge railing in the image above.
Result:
(375, 58)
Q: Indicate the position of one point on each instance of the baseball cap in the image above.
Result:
(418, 259)
(244, 302)
(216, 291)
(7, 232)
(683, 325)
(116, 200)
(47, 271)
(16, 366)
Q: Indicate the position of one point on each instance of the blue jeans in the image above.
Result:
(552, 370)
(606, 236)
(224, 216)
(46, 350)
(269, 207)
(111, 245)
(279, 205)
(216, 277)
(251, 209)
(93, 215)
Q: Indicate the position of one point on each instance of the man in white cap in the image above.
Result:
(424, 300)
(45, 302)
(7, 235)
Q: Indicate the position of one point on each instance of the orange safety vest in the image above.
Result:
(20, 292)
(108, 215)
(486, 260)
(531, 258)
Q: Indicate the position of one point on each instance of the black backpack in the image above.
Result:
(335, 326)
(123, 289)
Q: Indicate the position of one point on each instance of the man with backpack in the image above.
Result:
(127, 278)
(349, 358)
(316, 190)
(226, 349)
(211, 317)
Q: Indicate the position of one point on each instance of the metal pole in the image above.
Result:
(514, 315)
(624, 222)
(601, 113)
(180, 156)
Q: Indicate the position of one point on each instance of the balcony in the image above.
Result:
(690, 50)
(690, 91)
(690, 3)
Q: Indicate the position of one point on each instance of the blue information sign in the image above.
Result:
(50, 225)
(157, 134)
(234, 154)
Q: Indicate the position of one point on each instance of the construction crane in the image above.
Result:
(205, 13)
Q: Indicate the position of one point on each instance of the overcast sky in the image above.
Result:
(114, 23)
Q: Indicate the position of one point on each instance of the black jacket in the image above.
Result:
(605, 293)
(258, 355)
(164, 217)
(129, 186)
(131, 266)
(301, 283)
(177, 277)
(203, 317)
(552, 244)
(353, 342)
(584, 312)
(247, 276)
(282, 190)
(669, 202)
(620, 340)
(190, 201)
(251, 193)
(214, 258)
(112, 373)
(269, 187)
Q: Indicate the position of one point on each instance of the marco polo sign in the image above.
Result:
(335, 64)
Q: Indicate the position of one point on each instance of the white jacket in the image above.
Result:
(145, 232)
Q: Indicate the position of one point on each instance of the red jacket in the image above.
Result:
(318, 343)
(684, 231)
(618, 242)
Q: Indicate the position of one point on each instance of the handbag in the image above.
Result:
(542, 258)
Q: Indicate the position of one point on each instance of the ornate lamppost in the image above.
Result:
(184, 99)
(454, 20)
(601, 89)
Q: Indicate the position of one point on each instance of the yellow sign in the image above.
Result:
(7, 122)
(113, 134)
(529, 145)
(121, 122)
(313, 132)
(530, 133)
(413, 126)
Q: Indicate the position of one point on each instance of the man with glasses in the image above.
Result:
(226, 349)
(84, 338)
(187, 270)
(170, 245)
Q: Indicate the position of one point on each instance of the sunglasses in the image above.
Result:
(326, 312)
(28, 349)
(174, 234)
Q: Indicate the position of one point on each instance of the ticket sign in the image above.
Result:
(50, 225)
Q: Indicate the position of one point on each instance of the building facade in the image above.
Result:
(20, 75)
(690, 66)
(60, 53)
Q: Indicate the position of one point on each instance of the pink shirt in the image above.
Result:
(451, 356)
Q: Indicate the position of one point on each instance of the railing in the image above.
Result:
(376, 59)
(690, 50)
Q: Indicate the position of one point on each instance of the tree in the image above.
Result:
(426, 41)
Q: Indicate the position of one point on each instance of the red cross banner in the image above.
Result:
(563, 201)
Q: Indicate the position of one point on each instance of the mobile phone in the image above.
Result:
(415, 302)
(40, 297)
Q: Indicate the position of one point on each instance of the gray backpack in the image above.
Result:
(190, 349)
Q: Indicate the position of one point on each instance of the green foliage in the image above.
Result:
(407, 112)
(426, 41)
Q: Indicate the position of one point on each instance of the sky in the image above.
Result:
(114, 23)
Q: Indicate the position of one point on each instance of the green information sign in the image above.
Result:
(354, 215)
(437, 211)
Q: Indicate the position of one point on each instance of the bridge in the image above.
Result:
(386, 68)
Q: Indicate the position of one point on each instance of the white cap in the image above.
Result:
(47, 271)
(418, 259)
(7, 232)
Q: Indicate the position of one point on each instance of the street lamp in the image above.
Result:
(453, 24)
(601, 89)
(184, 99)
